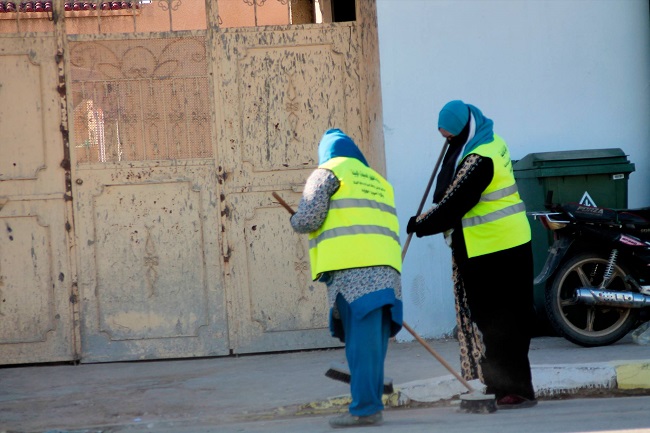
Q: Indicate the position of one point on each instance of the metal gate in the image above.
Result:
(183, 119)
(37, 296)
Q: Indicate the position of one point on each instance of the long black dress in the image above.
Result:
(493, 292)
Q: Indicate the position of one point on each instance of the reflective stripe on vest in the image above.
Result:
(361, 227)
(352, 230)
(498, 221)
(501, 213)
(356, 202)
(504, 192)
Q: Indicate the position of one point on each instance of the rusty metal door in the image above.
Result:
(146, 199)
(280, 89)
(36, 277)
(157, 236)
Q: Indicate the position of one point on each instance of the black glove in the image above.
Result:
(411, 227)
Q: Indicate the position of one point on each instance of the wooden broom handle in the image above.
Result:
(283, 203)
(438, 357)
(405, 249)
(426, 194)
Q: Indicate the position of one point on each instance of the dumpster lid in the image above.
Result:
(575, 162)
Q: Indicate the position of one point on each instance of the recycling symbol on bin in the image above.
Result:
(586, 200)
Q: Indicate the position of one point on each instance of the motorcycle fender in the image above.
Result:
(555, 255)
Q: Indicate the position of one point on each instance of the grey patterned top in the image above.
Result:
(351, 283)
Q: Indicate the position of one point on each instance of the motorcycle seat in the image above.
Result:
(636, 217)
(591, 213)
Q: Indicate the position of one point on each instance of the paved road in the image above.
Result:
(209, 394)
(611, 415)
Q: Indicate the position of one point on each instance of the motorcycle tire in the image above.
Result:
(587, 325)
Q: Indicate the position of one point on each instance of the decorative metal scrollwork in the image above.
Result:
(151, 264)
(261, 2)
(167, 5)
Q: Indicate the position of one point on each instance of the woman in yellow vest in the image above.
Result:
(348, 210)
(478, 208)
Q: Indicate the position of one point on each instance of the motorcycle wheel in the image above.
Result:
(587, 325)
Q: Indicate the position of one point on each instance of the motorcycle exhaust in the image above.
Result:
(611, 298)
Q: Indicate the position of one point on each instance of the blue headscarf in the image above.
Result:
(334, 144)
(454, 116)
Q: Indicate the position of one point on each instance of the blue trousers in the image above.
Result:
(366, 344)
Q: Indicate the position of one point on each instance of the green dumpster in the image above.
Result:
(595, 177)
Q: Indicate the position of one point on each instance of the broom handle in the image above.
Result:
(438, 357)
(408, 240)
(426, 194)
(283, 203)
(406, 246)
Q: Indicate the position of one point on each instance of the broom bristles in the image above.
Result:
(339, 371)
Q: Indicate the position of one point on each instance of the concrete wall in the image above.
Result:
(553, 75)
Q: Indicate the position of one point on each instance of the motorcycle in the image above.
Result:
(597, 272)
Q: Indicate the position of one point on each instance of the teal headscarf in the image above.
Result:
(454, 116)
(335, 144)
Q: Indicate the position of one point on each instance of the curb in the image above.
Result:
(564, 379)
(633, 375)
(549, 381)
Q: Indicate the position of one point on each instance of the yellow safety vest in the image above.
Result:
(361, 228)
(498, 221)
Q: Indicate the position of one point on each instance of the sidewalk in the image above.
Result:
(66, 398)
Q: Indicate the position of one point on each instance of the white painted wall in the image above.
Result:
(553, 75)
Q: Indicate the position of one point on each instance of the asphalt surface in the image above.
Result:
(574, 415)
(112, 397)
